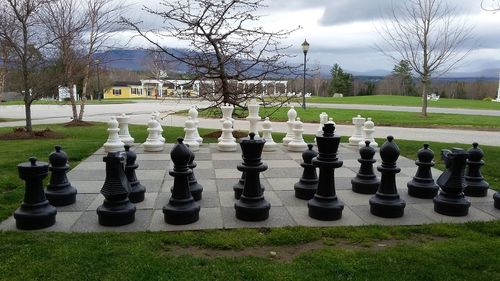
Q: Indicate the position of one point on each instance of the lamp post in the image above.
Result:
(305, 48)
(97, 62)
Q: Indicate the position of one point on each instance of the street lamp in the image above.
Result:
(97, 62)
(305, 48)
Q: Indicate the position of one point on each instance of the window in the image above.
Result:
(117, 92)
(136, 91)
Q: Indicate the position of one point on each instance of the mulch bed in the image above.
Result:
(77, 123)
(217, 134)
(22, 134)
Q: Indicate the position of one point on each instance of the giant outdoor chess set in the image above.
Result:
(166, 187)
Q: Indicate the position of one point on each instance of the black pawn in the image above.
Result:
(422, 185)
(386, 202)
(366, 182)
(496, 197)
(475, 185)
(195, 188)
(35, 211)
(59, 192)
(137, 190)
(252, 206)
(181, 208)
(308, 183)
(325, 204)
(451, 200)
(116, 209)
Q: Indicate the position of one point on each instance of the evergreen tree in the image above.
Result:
(402, 71)
(341, 81)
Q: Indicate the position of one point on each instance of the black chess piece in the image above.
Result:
(325, 204)
(366, 182)
(451, 200)
(59, 192)
(195, 188)
(35, 212)
(496, 198)
(181, 207)
(252, 206)
(308, 183)
(386, 202)
(475, 185)
(238, 187)
(116, 209)
(422, 185)
(137, 190)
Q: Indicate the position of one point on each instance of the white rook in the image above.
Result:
(357, 137)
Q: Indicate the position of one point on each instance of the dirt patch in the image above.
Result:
(217, 134)
(22, 134)
(78, 123)
(289, 252)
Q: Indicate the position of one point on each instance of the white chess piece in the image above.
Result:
(297, 143)
(323, 118)
(369, 129)
(193, 113)
(156, 115)
(253, 117)
(124, 134)
(292, 115)
(227, 112)
(227, 142)
(190, 135)
(153, 142)
(267, 130)
(357, 137)
(113, 144)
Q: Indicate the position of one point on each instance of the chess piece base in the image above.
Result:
(496, 197)
(305, 189)
(153, 147)
(225, 147)
(479, 189)
(181, 214)
(61, 196)
(325, 209)
(354, 141)
(424, 190)
(455, 207)
(256, 209)
(116, 213)
(36, 216)
(390, 207)
(365, 186)
(296, 147)
(137, 192)
(196, 190)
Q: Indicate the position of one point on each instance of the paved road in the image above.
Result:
(140, 114)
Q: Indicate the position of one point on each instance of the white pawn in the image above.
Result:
(153, 142)
(253, 117)
(292, 114)
(357, 137)
(368, 129)
(190, 135)
(297, 143)
(267, 130)
(113, 144)
(156, 115)
(227, 142)
(124, 134)
(323, 118)
(193, 113)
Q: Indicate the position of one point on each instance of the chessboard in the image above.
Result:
(216, 171)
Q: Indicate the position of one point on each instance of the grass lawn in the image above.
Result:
(9, 119)
(112, 101)
(428, 252)
(381, 118)
(407, 101)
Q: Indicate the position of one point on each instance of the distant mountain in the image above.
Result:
(137, 60)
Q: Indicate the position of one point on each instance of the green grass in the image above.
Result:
(407, 101)
(8, 119)
(111, 101)
(427, 252)
(381, 118)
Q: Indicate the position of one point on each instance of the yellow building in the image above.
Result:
(124, 90)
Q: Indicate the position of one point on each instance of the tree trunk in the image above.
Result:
(27, 110)
(72, 98)
(82, 108)
(424, 98)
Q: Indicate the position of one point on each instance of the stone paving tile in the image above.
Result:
(64, 222)
(153, 157)
(82, 203)
(208, 185)
(226, 156)
(85, 175)
(488, 208)
(282, 164)
(487, 198)
(282, 183)
(91, 165)
(152, 185)
(226, 164)
(282, 172)
(88, 222)
(288, 199)
(203, 174)
(203, 156)
(150, 174)
(152, 165)
(210, 218)
(351, 198)
(87, 186)
(412, 216)
(301, 217)
(475, 214)
(275, 156)
(227, 174)
(278, 217)
(203, 164)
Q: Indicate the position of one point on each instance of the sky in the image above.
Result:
(345, 31)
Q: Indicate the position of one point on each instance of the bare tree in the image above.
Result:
(226, 45)
(23, 33)
(4, 61)
(429, 35)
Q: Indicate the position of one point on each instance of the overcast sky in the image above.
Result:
(344, 31)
